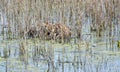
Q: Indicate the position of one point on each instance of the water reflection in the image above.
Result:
(47, 56)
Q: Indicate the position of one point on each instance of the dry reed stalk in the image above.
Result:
(23, 52)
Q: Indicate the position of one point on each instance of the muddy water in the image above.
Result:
(34, 55)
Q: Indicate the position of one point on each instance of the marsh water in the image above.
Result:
(89, 54)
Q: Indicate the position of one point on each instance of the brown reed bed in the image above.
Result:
(24, 18)
(46, 31)
(22, 15)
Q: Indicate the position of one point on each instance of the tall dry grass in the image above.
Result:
(18, 16)
(23, 14)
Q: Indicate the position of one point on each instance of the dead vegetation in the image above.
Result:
(21, 17)
(58, 32)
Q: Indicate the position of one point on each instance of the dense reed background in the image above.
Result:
(21, 15)
(93, 47)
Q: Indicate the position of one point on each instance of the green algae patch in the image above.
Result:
(118, 44)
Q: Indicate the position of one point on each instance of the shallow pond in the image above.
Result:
(35, 55)
(88, 54)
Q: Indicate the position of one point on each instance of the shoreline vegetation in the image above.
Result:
(59, 35)
(103, 16)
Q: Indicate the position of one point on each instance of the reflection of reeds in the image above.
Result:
(6, 58)
(22, 15)
(46, 54)
(6, 55)
(23, 52)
